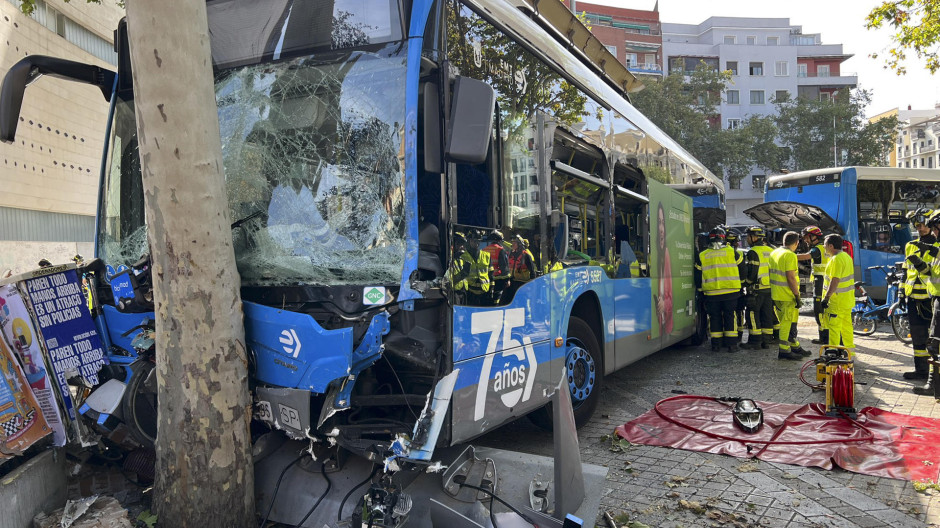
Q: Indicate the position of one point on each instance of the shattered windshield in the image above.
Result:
(314, 167)
(122, 231)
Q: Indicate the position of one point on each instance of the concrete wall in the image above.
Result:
(54, 163)
(38, 485)
(21, 257)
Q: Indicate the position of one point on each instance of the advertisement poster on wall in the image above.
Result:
(68, 332)
(21, 420)
(671, 260)
(17, 329)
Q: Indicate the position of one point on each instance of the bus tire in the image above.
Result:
(700, 329)
(140, 403)
(584, 362)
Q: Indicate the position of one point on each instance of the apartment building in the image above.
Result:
(918, 139)
(634, 36)
(769, 58)
(49, 185)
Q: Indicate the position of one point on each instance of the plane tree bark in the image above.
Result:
(204, 473)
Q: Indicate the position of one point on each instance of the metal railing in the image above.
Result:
(830, 74)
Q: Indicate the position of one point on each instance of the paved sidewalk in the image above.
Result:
(658, 486)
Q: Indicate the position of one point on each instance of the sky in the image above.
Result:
(838, 22)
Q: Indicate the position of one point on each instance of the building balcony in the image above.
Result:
(814, 79)
(647, 69)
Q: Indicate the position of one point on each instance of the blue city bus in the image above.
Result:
(866, 205)
(359, 140)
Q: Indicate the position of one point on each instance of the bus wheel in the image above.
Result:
(140, 403)
(700, 332)
(584, 366)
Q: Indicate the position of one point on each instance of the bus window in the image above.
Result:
(631, 223)
(580, 190)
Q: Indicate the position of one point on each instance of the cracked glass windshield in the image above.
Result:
(311, 117)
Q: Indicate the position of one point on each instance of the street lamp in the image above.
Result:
(835, 149)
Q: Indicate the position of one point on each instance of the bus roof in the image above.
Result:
(573, 31)
(517, 18)
(863, 173)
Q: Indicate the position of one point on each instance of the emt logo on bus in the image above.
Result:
(515, 374)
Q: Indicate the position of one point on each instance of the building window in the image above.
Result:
(732, 66)
(907, 164)
(735, 184)
(781, 95)
(756, 69)
(822, 70)
(757, 97)
(650, 60)
(734, 97)
(782, 68)
(802, 40)
(731, 39)
(757, 182)
(751, 40)
(612, 50)
(930, 162)
(734, 124)
(773, 41)
(824, 96)
(631, 59)
(801, 70)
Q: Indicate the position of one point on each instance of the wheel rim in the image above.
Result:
(862, 324)
(904, 327)
(582, 374)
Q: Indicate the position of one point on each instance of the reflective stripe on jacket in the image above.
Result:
(763, 266)
(820, 269)
(916, 283)
(719, 269)
(840, 267)
(782, 260)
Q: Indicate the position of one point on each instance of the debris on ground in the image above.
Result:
(102, 512)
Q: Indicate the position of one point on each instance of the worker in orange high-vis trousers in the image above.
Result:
(785, 292)
(838, 297)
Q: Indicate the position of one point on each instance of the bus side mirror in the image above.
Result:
(560, 229)
(471, 121)
(31, 68)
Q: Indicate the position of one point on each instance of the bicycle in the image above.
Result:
(866, 316)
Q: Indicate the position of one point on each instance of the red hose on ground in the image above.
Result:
(772, 441)
(816, 386)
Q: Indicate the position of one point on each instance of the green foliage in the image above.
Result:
(687, 110)
(810, 128)
(28, 6)
(523, 84)
(916, 24)
(923, 486)
(146, 519)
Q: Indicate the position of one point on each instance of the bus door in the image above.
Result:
(502, 342)
(632, 283)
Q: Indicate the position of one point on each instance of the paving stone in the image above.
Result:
(823, 498)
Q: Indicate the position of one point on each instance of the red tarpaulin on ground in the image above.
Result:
(887, 445)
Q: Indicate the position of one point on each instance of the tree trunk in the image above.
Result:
(204, 472)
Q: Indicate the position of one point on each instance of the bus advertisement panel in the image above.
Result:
(671, 260)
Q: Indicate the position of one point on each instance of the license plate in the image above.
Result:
(289, 416)
(284, 409)
(263, 412)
